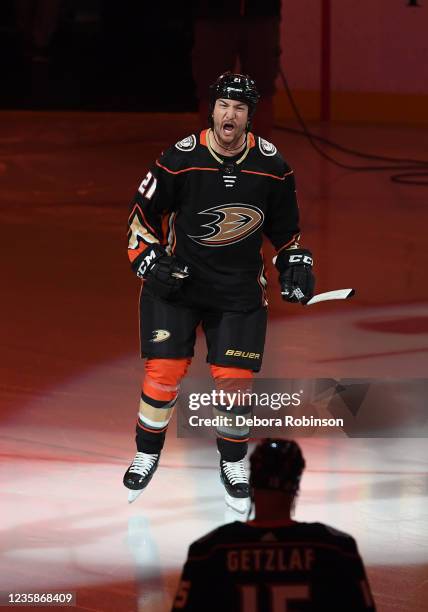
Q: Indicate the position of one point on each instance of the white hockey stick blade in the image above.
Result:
(337, 294)
(133, 494)
(239, 504)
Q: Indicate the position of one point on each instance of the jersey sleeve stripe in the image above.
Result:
(139, 237)
(184, 169)
(287, 244)
(174, 234)
(262, 281)
(134, 253)
(171, 232)
(137, 207)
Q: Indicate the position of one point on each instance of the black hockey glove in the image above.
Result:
(164, 274)
(295, 275)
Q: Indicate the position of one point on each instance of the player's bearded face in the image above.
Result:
(230, 120)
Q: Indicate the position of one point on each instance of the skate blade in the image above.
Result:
(239, 504)
(133, 494)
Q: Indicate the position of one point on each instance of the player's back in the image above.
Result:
(267, 567)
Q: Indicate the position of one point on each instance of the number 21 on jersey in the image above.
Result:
(148, 186)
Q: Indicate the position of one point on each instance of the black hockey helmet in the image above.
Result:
(277, 465)
(234, 86)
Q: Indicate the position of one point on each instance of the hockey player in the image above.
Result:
(195, 238)
(273, 563)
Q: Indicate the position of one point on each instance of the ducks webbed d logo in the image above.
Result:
(231, 223)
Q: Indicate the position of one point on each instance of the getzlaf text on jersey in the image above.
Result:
(212, 216)
(300, 567)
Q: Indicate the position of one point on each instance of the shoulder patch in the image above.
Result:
(187, 144)
(267, 148)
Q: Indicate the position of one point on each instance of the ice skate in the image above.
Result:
(235, 479)
(140, 473)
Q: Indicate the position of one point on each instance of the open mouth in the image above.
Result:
(228, 127)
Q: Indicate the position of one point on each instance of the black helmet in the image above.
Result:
(277, 464)
(235, 87)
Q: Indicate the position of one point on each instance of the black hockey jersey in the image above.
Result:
(212, 212)
(255, 567)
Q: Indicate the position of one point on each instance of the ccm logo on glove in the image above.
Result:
(148, 261)
(163, 274)
(298, 259)
(295, 275)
